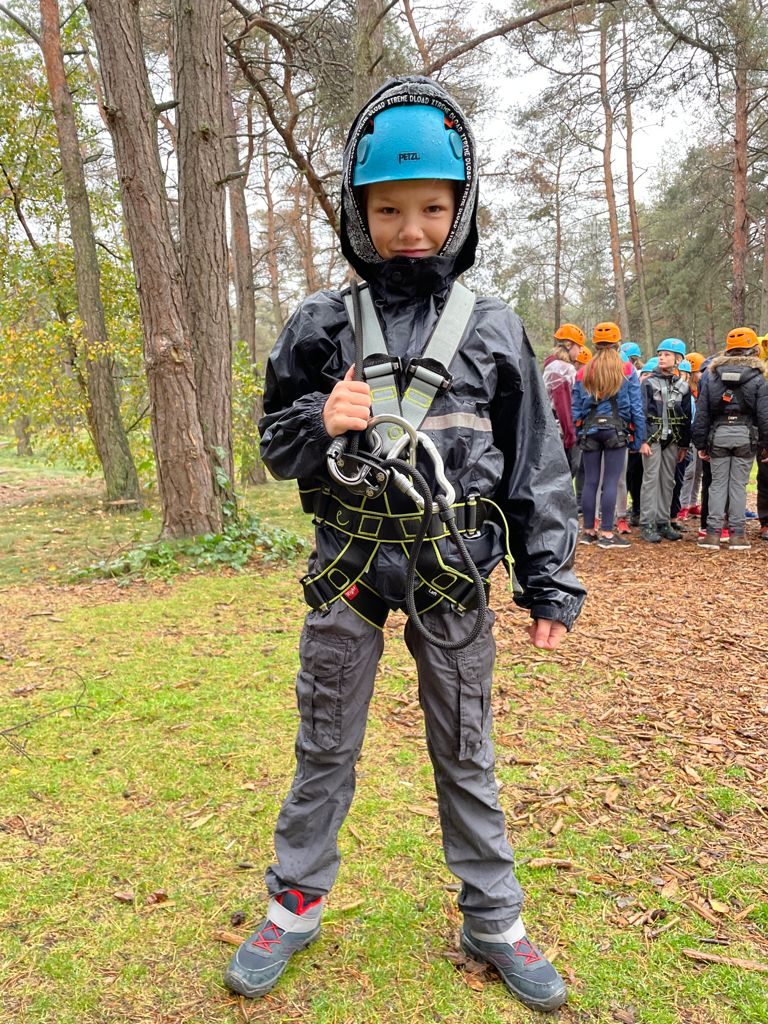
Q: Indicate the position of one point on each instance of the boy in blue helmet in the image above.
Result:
(408, 227)
(668, 413)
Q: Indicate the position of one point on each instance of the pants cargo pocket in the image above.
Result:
(319, 687)
(475, 665)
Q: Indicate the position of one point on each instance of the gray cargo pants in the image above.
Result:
(658, 484)
(731, 461)
(339, 656)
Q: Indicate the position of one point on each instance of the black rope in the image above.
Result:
(448, 516)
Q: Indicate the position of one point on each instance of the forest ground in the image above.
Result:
(137, 803)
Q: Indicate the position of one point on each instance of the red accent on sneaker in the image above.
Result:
(725, 534)
(694, 510)
(524, 948)
(301, 906)
(263, 941)
(702, 533)
(622, 526)
(683, 514)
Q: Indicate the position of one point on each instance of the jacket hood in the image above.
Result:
(730, 359)
(458, 252)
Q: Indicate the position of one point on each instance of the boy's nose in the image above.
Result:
(410, 229)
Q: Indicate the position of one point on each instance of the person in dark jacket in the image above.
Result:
(408, 227)
(608, 414)
(730, 427)
(668, 416)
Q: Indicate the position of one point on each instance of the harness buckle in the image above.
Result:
(429, 371)
(470, 514)
(382, 366)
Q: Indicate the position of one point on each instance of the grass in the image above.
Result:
(161, 767)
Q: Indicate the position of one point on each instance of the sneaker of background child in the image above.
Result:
(694, 510)
(764, 533)
(588, 538)
(701, 533)
(749, 514)
(739, 542)
(708, 540)
(634, 518)
(725, 535)
(614, 541)
(683, 514)
(622, 526)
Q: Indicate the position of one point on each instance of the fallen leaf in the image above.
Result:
(199, 822)
(670, 888)
(124, 896)
(611, 796)
(551, 862)
(158, 896)
(718, 907)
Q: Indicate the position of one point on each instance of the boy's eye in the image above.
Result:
(436, 208)
(386, 211)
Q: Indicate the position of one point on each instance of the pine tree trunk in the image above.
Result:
(252, 470)
(740, 214)
(558, 244)
(199, 75)
(764, 288)
(610, 191)
(369, 46)
(22, 428)
(106, 427)
(634, 222)
(190, 505)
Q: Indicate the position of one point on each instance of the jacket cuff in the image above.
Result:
(566, 612)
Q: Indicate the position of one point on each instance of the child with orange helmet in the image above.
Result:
(559, 374)
(606, 404)
(731, 426)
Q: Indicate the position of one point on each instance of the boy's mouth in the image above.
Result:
(413, 253)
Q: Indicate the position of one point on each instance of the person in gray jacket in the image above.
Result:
(730, 427)
(408, 227)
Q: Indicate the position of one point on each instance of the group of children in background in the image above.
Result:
(661, 431)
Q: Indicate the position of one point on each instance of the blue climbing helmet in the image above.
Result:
(408, 141)
(630, 350)
(650, 366)
(672, 345)
(684, 366)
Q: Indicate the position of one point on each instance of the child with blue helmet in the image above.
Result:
(463, 368)
(668, 413)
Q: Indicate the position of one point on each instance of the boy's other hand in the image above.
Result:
(681, 454)
(348, 406)
(547, 634)
(645, 448)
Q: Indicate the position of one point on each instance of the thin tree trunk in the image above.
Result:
(610, 191)
(764, 288)
(22, 428)
(252, 470)
(369, 47)
(272, 265)
(190, 505)
(558, 242)
(740, 214)
(199, 74)
(634, 222)
(108, 432)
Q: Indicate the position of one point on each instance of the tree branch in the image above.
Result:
(684, 37)
(504, 29)
(21, 23)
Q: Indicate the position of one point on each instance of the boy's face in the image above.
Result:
(409, 218)
(666, 361)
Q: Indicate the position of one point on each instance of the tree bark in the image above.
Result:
(740, 213)
(764, 287)
(610, 191)
(253, 470)
(369, 48)
(190, 505)
(558, 242)
(199, 76)
(103, 411)
(22, 428)
(637, 248)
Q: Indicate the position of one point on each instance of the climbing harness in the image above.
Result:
(393, 439)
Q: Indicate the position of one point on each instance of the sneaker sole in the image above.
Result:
(237, 984)
(554, 1002)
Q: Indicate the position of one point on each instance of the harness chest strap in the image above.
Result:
(428, 374)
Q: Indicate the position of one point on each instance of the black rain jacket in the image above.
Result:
(494, 427)
(750, 397)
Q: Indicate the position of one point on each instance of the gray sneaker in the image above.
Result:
(648, 533)
(739, 542)
(524, 969)
(258, 963)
